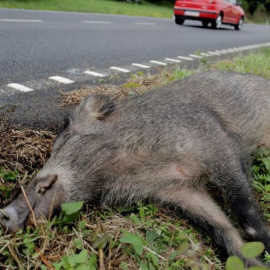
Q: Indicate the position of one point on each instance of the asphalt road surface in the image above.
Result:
(39, 44)
(36, 46)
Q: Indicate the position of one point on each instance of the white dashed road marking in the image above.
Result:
(205, 54)
(158, 63)
(20, 87)
(144, 23)
(172, 60)
(236, 49)
(222, 52)
(214, 53)
(120, 69)
(195, 56)
(140, 65)
(98, 22)
(61, 79)
(185, 58)
(96, 74)
(18, 20)
(229, 50)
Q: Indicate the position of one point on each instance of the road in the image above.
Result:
(39, 44)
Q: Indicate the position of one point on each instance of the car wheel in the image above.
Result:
(179, 21)
(205, 24)
(217, 23)
(239, 26)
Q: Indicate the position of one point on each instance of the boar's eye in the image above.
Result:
(65, 124)
(66, 136)
(42, 190)
(61, 140)
(47, 184)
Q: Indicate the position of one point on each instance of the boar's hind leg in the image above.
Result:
(199, 207)
(236, 188)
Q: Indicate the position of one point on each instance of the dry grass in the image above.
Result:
(23, 151)
(135, 85)
(50, 244)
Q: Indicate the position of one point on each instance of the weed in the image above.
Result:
(257, 64)
(8, 176)
(7, 180)
(100, 80)
(180, 73)
(249, 251)
(261, 174)
(131, 85)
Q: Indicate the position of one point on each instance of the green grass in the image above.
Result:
(93, 6)
(261, 173)
(260, 17)
(257, 64)
(142, 236)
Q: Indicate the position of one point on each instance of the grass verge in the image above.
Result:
(139, 237)
(93, 6)
(112, 7)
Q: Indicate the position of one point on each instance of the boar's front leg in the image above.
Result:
(199, 207)
(236, 187)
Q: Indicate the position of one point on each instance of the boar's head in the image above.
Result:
(41, 196)
(49, 189)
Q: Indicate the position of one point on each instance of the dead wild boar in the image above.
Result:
(165, 146)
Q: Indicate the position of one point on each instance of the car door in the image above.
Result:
(227, 10)
(235, 15)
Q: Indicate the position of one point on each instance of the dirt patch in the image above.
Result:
(135, 85)
(22, 153)
(24, 150)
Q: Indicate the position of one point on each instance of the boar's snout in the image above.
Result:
(42, 196)
(9, 218)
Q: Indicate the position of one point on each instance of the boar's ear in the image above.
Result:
(94, 107)
(101, 106)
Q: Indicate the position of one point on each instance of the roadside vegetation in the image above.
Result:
(142, 236)
(93, 6)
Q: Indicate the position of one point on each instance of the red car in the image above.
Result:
(216, 12)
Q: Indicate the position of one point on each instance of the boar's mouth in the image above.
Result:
(41, 197)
